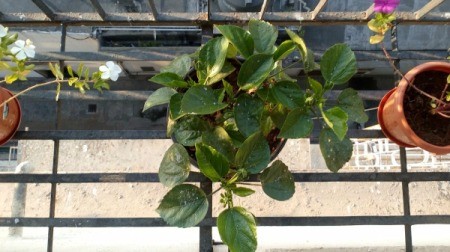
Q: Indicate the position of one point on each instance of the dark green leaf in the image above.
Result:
(247, 113)
(283, 50)
(297, 125)
(278, 115)
(299, 42)
(316, 87)
(158, 97)
(336, 119)
(237, 229)
(175, 166)
(189, 129)
(211, 163)
(308, 62)
(264, 35)
(221, 141)
(180, 65)
(255, 70)
(266, 122)
(277, 181)
(289, 94)
(352, 104)
(338, 64)
(335, 152)
(265, 94)
(239, 38)
(175, 106)
(254, 154)
(169, 80)
(201, 100)
(227, 69)
(242, 191)
(212, 56)
(183, 206)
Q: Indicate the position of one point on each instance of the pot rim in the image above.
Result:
(13, 131)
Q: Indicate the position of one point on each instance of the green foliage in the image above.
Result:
(237, 229)
(380, 25)
(183, 206)
(232, 110)
(175, 166)
(277, 181)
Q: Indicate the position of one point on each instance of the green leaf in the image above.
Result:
(335, 152)
(189, 129)
(316, 87)
(265, 94)
(376, 39)
(283, 50)
(227, 69)
(242, 191)
(180, 66)
(289, 94)
(308, 62)
(70, 71)
(175, 166)
(237, 229)
(255, 70)
(297, 125)
(175, 106)
(352, 104)
(336, 119)
(201, 100)
(211, 163)
(247, 113)
(10, 78)
(169, 80)
(56, 71)
(254, 154)
(158, 97)
(221, 141)
(277, 181)
(183, 206)
(299, 42)
(264, 35)
(266, 123)
(338, 64)
(4, 65)
(239, 38)
(279, 114)
(212, 56)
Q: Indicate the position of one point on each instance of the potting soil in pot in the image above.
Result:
(432, 128)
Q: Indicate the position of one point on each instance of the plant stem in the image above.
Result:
(248, 184)
(214, 192)
(443, 91)
(283, 69)
(31, 88)
(396, 70)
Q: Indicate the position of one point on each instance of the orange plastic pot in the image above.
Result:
(10, 116)
(391, 115)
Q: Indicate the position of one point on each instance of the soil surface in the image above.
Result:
(432, 128)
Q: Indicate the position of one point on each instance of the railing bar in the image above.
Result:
(211, 222)
(45, 9)
(406, 199)
(263, 9)
(198, 177)
(98, 7)
(318, 9)
(153, 9)
(369, 11)
(427, 8)
(53, 196)
(206, 240)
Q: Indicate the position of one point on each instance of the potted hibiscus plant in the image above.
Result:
(417, 112)
(230, 105)
(14, 56)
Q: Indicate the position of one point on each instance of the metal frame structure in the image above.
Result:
(205, 20)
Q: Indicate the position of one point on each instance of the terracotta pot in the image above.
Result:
(391, 115)
(10, 116)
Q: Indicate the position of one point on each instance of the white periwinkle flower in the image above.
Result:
(110, 71)
(3, 31)
(23, 49)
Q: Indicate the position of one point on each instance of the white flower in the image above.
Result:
(23, 49)
(3, 31)
(110, 71)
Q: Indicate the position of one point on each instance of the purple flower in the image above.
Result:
(386, 6)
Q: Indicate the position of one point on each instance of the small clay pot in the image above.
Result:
(391, 115)
(9, 117)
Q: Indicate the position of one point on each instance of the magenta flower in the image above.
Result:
(386, 6)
